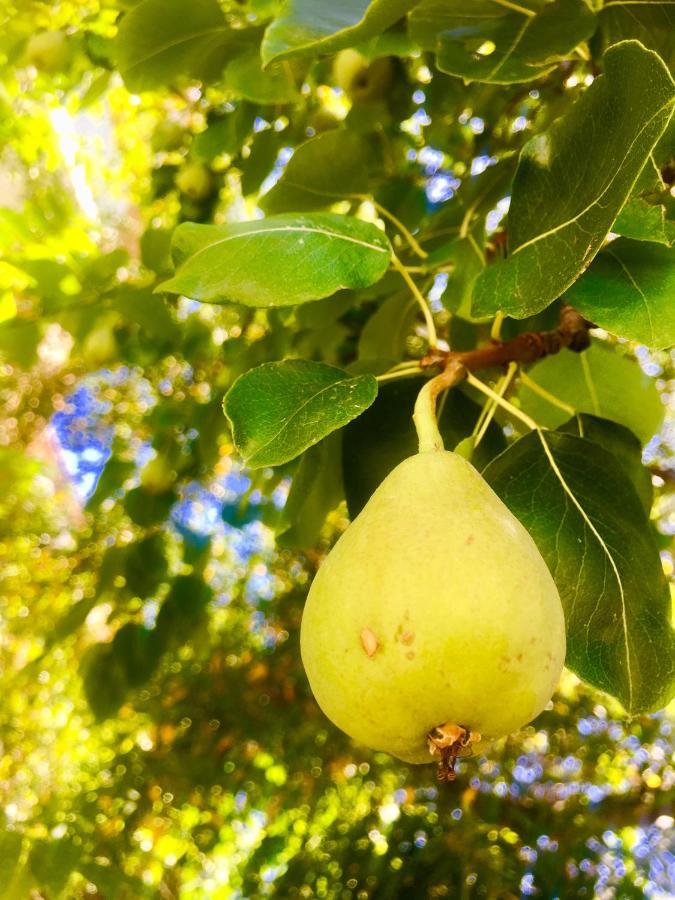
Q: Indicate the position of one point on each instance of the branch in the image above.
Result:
(572, 332)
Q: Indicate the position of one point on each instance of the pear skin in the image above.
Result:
(434, 608)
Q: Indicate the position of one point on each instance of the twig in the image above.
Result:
(572, 332)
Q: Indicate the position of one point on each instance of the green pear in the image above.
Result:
(433, 610)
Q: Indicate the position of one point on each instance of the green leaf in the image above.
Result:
(110, 480)
(624, 447)
(51, 862)
(183, 611)
(147, 507)
(323, 26)
(316, 491)
(629, 290)
(598, 381)
(275, 84)
(384, 436)
(280, 409)
(581, 171)
(644, 221)
(590, 527)
(466, 252)
(500, 43)
(327, 168)
(11, 844)
(157, 41)
(280, 261)
(648, 21)
(384, 334)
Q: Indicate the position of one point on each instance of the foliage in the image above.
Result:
(290, 212)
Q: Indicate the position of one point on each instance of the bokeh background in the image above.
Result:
(157, 734)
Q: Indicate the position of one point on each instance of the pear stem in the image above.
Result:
(424, 416)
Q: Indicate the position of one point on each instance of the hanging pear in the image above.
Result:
(434, 620)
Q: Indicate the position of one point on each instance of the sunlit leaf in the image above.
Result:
(599, 382)
(322, 26)
(581, 172)
(279, 261)
(500, 42)
(280, 409)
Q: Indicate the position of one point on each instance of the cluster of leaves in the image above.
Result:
(330, 183)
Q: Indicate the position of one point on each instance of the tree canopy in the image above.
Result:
(237, 238)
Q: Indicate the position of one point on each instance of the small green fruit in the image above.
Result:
(195, 181)
(48, 51)
(168, 136)
(360, 79)
(433, 609)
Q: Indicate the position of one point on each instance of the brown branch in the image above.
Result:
(572, 332)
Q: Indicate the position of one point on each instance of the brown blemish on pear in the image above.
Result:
(369, 641)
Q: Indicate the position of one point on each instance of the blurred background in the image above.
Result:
(157, 734)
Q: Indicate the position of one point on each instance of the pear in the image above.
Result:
(434, 610)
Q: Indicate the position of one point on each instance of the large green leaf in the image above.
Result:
(323, 26)
(277, 410)
(275, 84)
(598, 381)
(327, 168)
(573, 180)
(649, 21)
(487, 40)
(385, 435)
(590, 527)
(280, 261)
(630, 290)
(624, 447)
(157, 41)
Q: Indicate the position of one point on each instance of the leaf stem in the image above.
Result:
(496, 329)
(547, 395)
(500, 401)
(417, 294)
(407, 234)
(490, 407)
(516, 7)
(424, 416)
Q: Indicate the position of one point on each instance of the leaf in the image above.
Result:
(466, 252)
(147, 507)
(11, 844)
(275, 84)
(183, 611)
(624, 447)
(500, 43)
(156, 42)
(316, 491)
(280, 261)
(589, 525)
(280, 409)
(598, 381)
(644, 221)
(650, 22)
(580, 173)
(384, 436)
(323, 26)
(327, 168)
(51, 862)
(384, 334)
(629, 290)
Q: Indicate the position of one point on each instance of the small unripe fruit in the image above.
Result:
(360, 79)
(48, 51)
(195, 181)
